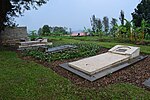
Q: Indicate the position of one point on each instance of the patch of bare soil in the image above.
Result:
(135, 74)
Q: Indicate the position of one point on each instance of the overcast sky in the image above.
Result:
(75, 14)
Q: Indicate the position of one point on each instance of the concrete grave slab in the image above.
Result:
(98, 66)
(98, 63)
(102, 73)
(60, 48)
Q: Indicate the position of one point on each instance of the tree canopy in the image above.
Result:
(106, 24)
(47, 30)
(9, 9)
(122, 17)
(141, 12)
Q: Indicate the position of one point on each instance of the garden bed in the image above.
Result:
(135, 74)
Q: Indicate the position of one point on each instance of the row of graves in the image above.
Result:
(90, 68)
(95, 67)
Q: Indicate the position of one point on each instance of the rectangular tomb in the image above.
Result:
(97, 63)
(114, 56)
(98, 66)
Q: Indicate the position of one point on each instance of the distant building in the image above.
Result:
(78, 33)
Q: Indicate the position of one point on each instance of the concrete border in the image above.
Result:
(104, 72)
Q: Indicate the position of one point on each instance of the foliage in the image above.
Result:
(14, 8)
(106, 41)
(141, 12)
(142, 30)
(106, 24)
(33, 35)
(113, 29)
(59, 30)
(93, 23)
(122, 17)
(96, 24)
(87, 30)
(40, 32)
(21, 79)
(45, 30)
(82, 50)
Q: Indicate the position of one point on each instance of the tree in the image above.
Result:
(99, 25)
(106, 24)
(122, 17)
(96, 24)
(40, 32)
(45, 30)
(129, 28)
(70, 30)
(143, 29)
(13, 8)
(33, 35)
(113, 23)
(59, 30)
(93, 23)
(141, 12)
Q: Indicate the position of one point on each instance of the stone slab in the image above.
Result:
(103, 72)
(98, 63)
(60, 48)
(126, 50)
(147, 83)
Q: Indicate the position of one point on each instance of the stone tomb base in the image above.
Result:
(95, 67)
(102, 72)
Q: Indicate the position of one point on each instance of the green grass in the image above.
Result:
(20, 79)
(65, 39)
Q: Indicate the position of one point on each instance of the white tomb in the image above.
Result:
(39, 42)
(131, 51)
(114, 56)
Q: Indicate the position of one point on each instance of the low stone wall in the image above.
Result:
(13, 35)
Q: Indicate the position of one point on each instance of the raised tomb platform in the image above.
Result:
(98, 66)
(37, 43)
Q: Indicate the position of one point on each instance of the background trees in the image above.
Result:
(106, 24)
(9, 9)
(141, 12)
(96, 24)
(13, 8)
(47, 30)
(122, 17)
(113, 28)
(141, 18)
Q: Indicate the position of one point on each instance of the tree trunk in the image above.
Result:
(0, 40)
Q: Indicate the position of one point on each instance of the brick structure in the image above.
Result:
(13, 35)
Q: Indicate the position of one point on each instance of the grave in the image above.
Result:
(95, 67)
(37, 43)
(59, 48)
(147, 83)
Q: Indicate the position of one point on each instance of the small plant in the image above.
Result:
(82, 50)
(33, 35)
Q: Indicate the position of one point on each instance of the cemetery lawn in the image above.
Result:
(107, 42)
(21, 79)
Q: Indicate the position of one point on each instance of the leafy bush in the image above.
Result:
(82, 50)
